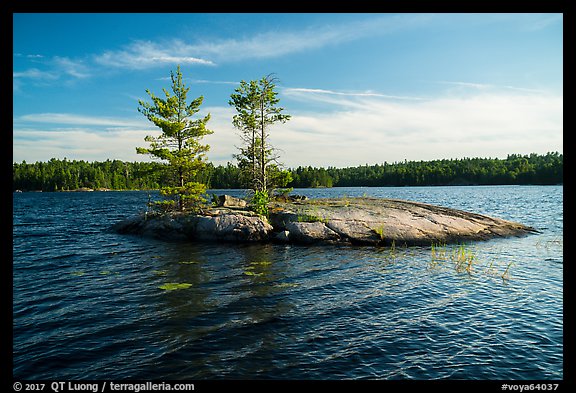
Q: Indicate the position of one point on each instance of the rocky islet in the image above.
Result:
(357, 221)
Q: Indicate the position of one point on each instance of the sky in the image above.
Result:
(361, 88)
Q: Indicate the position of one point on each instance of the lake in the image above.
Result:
(88, 303)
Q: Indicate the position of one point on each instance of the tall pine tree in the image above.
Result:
(256, 104)
(179, 143)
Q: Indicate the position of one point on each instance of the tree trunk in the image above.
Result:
(263, 143)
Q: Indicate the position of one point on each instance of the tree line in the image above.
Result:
(514, 169)
(58, 175)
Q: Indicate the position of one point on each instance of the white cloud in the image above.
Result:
(279, 43)
(148, 54)
(80, 120)
(41, 136)
(310, 93)
(271, 44)
(35, 73)
(215, 82)
(466, 86)
(78, 143)
(73, 68)
(356, 130)
(58, 68)
(374, 130)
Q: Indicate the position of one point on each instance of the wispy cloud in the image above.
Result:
(77, 143)
(214, 82)
(301, 91)
(80, 120)
(486, 86)
(55, 70)
(73, 68)
(270, 44)
(471, 85)
(41, 136)
(148, 54)
(274, 44)
(35, 73)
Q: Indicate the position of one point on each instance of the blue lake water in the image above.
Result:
(87, 303)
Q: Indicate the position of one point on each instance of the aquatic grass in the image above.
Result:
(438, 251)
(465, 260)
(251, 273)
(506, 274)
(379, 231)
(261, 263)
(173, 286)
(392, 253)
(462, 257)
(160, 272)
(490, 268)
(392, 250)
(257, 265)
(78, 273)
(188, 262)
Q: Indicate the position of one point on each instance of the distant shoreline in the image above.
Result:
(532, 169)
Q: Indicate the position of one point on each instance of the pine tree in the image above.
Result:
(179, 143)
(256, 105)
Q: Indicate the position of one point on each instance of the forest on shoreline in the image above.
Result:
(515, 169)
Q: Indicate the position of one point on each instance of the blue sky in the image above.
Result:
(361, 88)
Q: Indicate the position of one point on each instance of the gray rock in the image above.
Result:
(219, 224)
(368, 221)
(230, 227)
(311, 232)
(378, 221)
(232, 202)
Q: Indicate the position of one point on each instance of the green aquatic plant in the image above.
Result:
(392, 249)
(261, 263)
(160, 272)
(438, 251)
(252, 269)
(188, 262)
(462, 257)
(506, 274)
(105, 272)
(172, 286)
(78, 273)
(251, 273)
(379, 231)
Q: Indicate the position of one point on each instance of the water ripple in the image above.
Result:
(88, 303)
